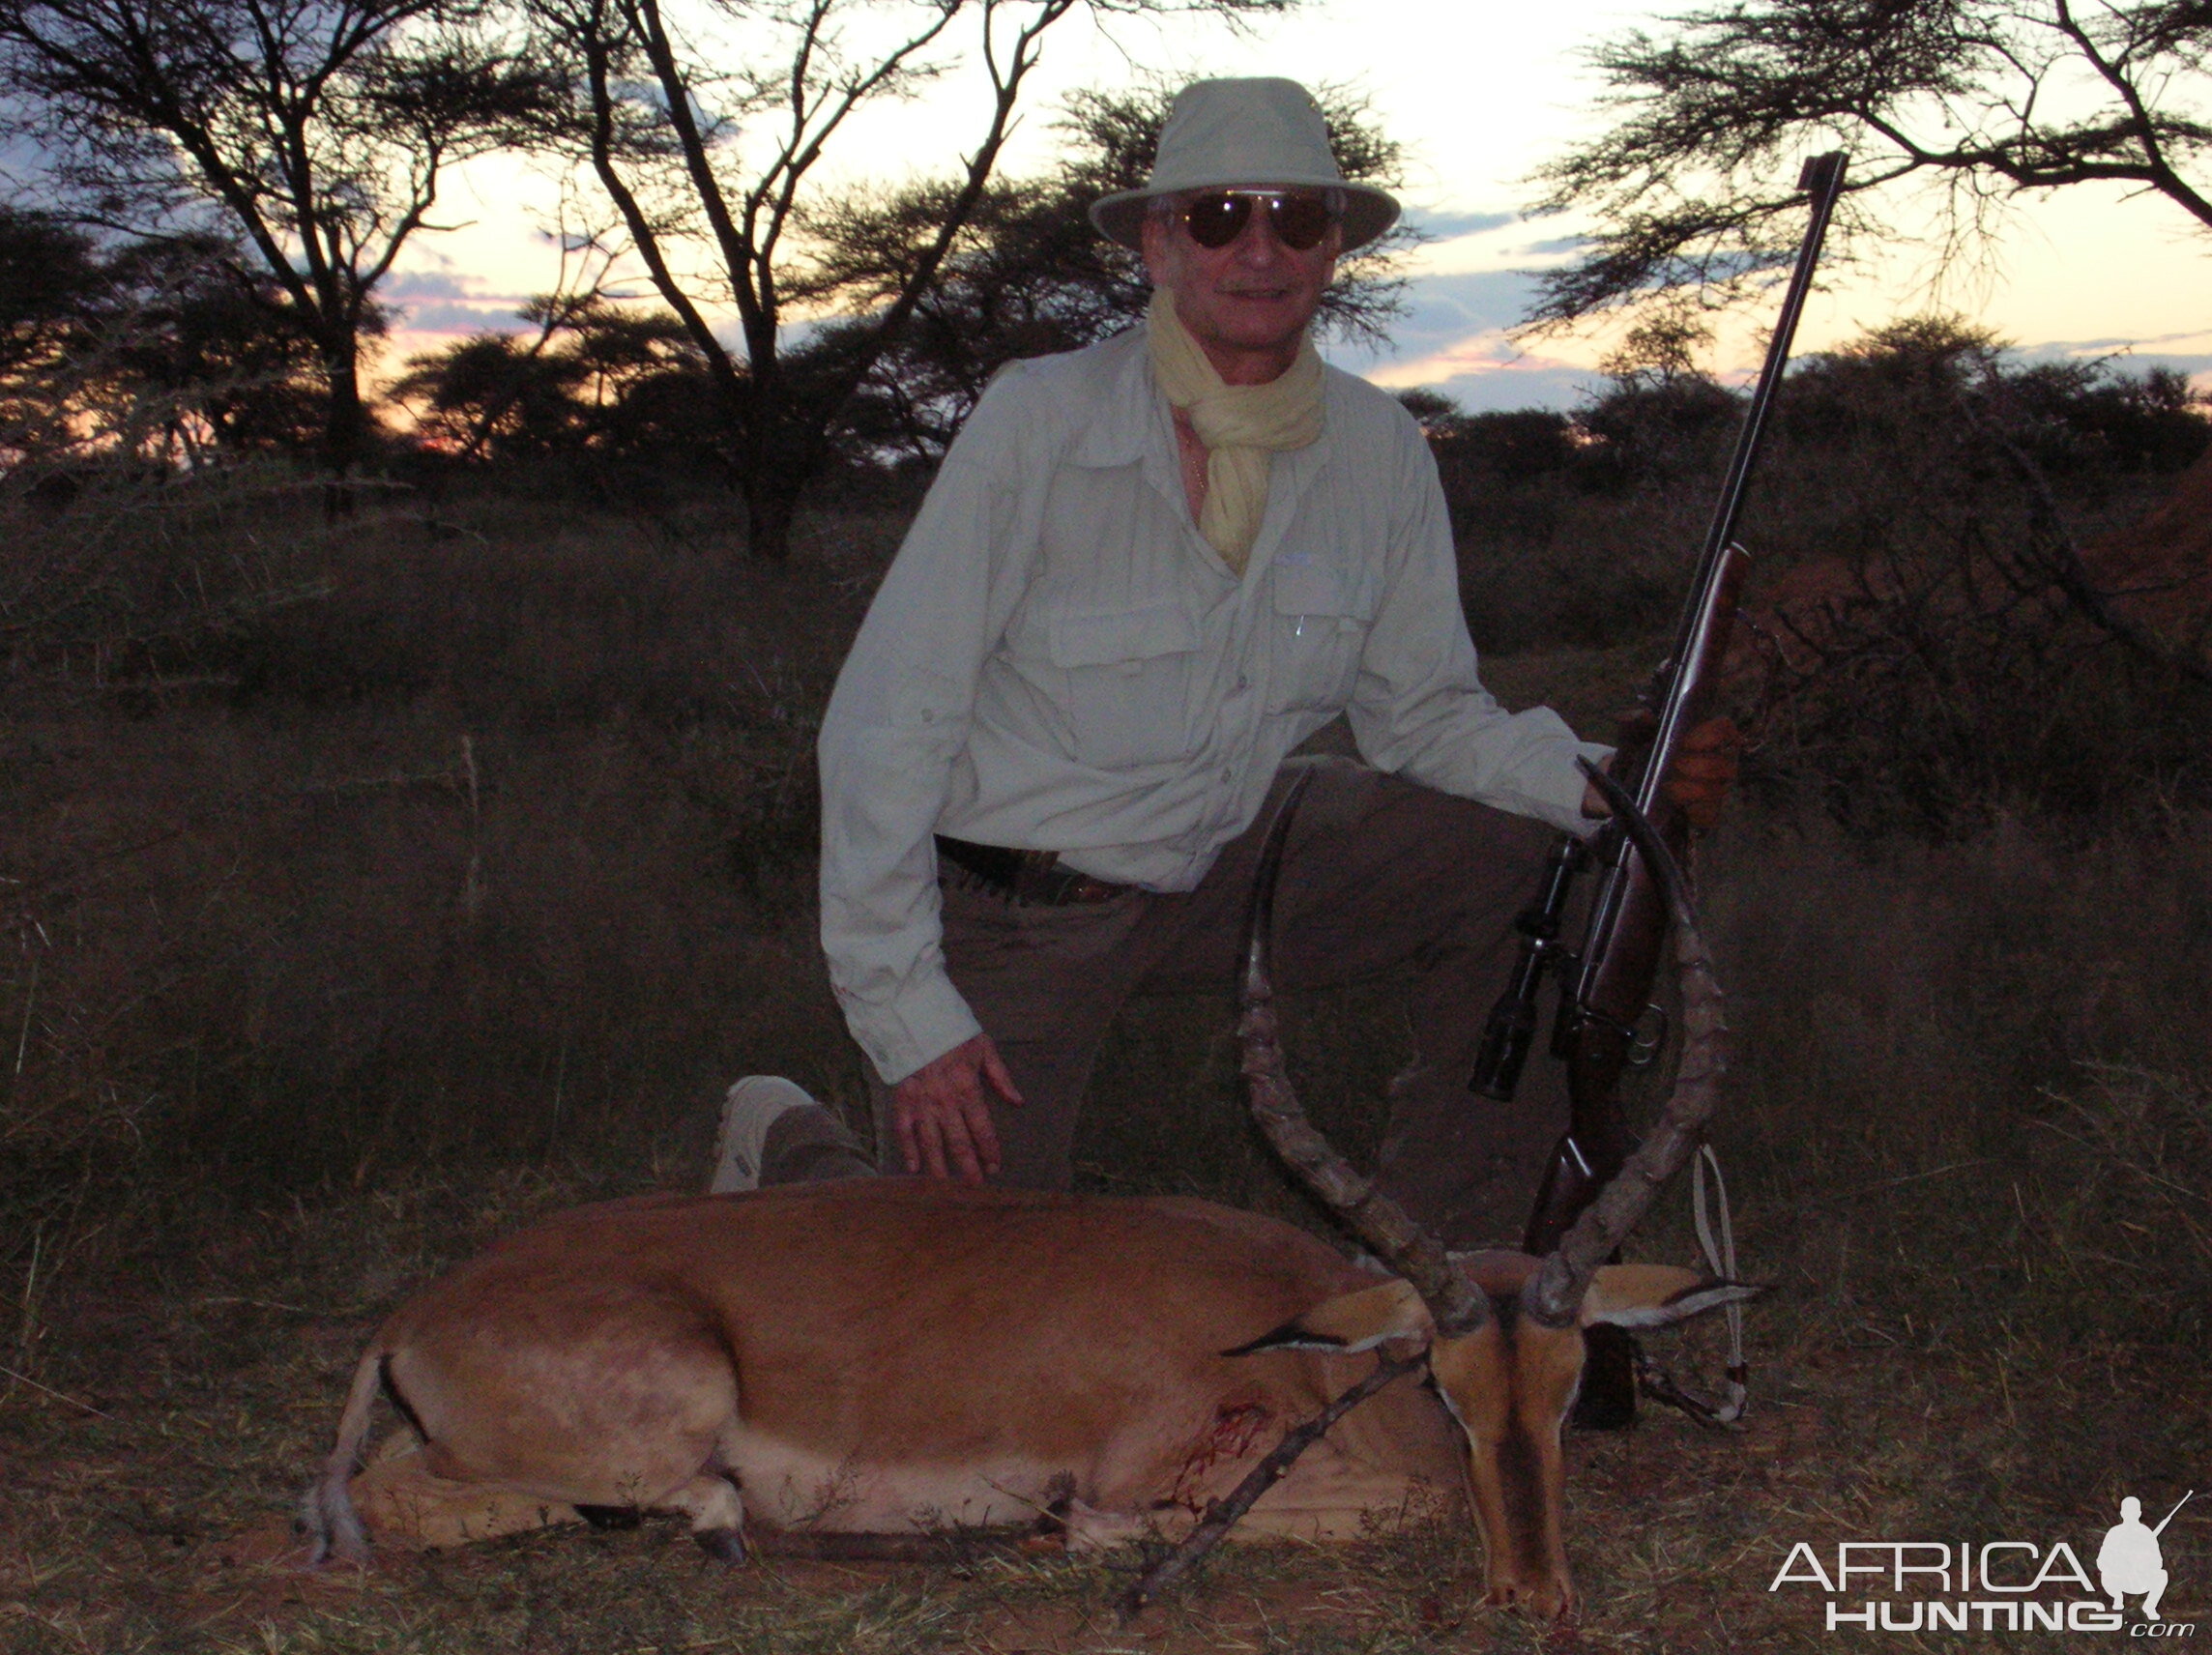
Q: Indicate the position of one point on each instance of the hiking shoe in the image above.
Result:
(753, 1105)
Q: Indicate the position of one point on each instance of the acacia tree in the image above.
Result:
(52, 288)
(312, 133)
(592, 376)
(1981, 100)
(1029, 275)
(152, 350)
(706, 127)
(214, 354)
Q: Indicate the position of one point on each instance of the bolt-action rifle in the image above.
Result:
(1606, 1020)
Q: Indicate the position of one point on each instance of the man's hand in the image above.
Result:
(1705, 768)
(943, 1117)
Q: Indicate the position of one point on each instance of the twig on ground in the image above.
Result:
(1222, 1514)
(58, 1395)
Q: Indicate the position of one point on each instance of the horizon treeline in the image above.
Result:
(172, 350)
(213, 196)
(153, 352)
(300, 148)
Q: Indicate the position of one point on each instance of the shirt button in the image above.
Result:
(1228, 773)
(1244, 682)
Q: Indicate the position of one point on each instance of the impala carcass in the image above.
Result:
(885, 1357)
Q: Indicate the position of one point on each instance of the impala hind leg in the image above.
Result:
(717, 1514)
(1089, 1530)
(407, 1504)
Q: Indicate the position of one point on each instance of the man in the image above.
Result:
(1146, 572)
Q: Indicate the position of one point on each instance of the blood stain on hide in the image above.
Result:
(1235, 1431)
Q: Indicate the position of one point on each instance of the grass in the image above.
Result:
(347, 932)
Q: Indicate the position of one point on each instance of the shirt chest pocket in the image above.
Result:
(1321, 614)
(1129, 682)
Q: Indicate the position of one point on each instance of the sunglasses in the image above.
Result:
(1218, 217)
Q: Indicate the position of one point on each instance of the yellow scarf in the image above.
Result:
(1242, 426)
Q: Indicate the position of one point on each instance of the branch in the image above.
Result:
(1008, 86)
(644, 234)
(784, 174)
(1222, 1514)
(2162, 175)
(735, 244)
(2062, 562)
(1705, 112)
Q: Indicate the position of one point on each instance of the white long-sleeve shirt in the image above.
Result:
(1057, 661)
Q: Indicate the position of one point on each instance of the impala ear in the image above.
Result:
(1350, 1322)
(1656, 1295)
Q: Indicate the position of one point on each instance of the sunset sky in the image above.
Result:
(1479, 94)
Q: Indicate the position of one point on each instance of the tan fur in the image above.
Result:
(891, 1356)
(404, 1504)
(1509, 1385)
(877, 1358)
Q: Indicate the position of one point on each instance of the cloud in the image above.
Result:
(1487, 371)
(2129, 357)
(2133, 355)
(1446, 226)
(445, 300)
(1537, 385)
(2110, 346)
(426, 285)
(1453, 339)
(454, 317)
(2197, 369)
(1443, 310)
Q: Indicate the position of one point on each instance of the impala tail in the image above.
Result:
(327, 1514)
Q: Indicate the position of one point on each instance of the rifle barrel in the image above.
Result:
(1822, 179)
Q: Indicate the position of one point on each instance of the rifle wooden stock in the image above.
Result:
(1609, 998)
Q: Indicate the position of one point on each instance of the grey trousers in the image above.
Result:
(1381, 877)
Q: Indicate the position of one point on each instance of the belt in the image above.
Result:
(1025, 876)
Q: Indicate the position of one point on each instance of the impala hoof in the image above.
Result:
(1543, 1602)
(724, 1545)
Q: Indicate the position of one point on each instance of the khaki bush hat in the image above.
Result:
(1231, 135)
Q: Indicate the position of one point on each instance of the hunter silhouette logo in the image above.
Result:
(2130, 1560)
(1994, 1586)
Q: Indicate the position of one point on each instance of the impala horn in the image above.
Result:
(1457, 1306)
(1553, 1295)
